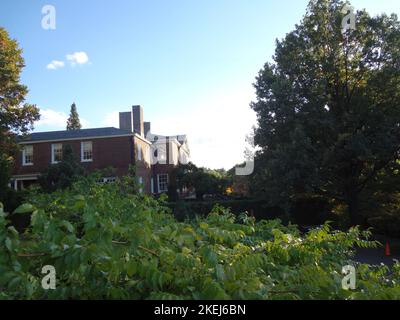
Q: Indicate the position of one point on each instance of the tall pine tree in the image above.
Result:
(328, 108)
(73, 122)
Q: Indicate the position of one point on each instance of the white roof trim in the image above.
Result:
(76, 139)
(142, 138)
(25, 176)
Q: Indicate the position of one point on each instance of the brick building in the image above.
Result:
(101, 148)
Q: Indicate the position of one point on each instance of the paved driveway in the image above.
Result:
(375, 257)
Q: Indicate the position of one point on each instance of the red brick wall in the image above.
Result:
(107, 152)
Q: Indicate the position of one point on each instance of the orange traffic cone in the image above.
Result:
(387, 250)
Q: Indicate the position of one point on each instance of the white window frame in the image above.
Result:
(83, 151)
(158, 182)
(53, 145)
(24, 163)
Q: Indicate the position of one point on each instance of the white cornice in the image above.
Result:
(76, 139)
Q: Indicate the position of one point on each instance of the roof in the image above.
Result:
(74, 134)
(157, 137)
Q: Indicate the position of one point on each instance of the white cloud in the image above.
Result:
(55, 64)
(55, 120)
(49, 117)
(111, 119)
(77, 58)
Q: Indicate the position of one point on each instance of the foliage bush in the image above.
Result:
(61, 175)
(259, 209)
(106, 243)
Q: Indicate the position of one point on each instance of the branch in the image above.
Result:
(149, 251)
(119, 242)
(140, 247)
(283, 292)
(31, 255)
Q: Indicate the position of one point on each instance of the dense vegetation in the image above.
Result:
(328, 114)
(106, 242)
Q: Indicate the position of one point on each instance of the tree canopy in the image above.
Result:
(202, 180)
(16, 116)
(328, 107)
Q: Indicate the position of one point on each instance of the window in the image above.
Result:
(27, 156)
(105, 180)
(162, 182)
(141, 184)
(56, 152)
(86, 151)
(109, 179)
(139, 152)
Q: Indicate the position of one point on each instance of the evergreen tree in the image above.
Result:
(73, 122)
(328, 108)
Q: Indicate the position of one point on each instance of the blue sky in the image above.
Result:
(191, 64)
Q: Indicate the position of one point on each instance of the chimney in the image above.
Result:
(125, 121)
(137, 115)
(147, 128)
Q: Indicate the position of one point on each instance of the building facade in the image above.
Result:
(105, 148)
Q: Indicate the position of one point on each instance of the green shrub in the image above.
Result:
(259, 209)
(107, 243)
(63, 174)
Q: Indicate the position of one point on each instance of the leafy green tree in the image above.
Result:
(63, 174)
(202, 180)
(73, 122)
(328, 108)
(16, 117)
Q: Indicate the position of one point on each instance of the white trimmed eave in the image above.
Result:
(136, 135)
(75, 139)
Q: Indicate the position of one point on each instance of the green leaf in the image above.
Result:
(8, 244)
(220, 273)
(25, 208)
(131, 268)
(68, 226)
(204, 225)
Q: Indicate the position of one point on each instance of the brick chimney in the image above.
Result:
(137, 115)
(125, 121)
(147, 128)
